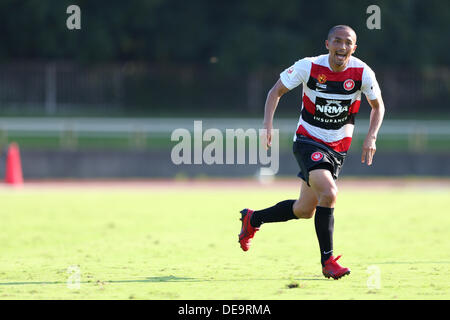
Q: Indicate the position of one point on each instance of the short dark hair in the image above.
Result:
(339, 26)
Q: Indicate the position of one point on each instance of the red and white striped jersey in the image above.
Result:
(331, 99)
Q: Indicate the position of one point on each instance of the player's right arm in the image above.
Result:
(289, 79)
(273, 97)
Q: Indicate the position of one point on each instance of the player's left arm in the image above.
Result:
(376, 118)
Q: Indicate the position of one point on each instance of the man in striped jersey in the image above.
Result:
(332, 86)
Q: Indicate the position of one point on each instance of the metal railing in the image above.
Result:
(416, 133)
(60, 89)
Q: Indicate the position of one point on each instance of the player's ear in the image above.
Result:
(354, 48)
(326, 44)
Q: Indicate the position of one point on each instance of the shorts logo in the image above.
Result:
(349, 84)
(317, 156)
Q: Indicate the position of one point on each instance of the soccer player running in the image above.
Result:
(332, 86)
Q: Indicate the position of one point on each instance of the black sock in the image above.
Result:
(282, 211)
(324, 223)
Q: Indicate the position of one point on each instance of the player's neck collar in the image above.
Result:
(327, 63)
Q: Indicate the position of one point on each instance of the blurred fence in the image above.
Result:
(56, 88)
(51, 88)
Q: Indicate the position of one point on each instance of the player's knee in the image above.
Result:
(328, 197)
(307, 214)
(303, 212)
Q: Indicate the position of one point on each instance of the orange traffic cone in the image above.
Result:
(13, 172)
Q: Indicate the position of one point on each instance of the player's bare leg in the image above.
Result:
(305, 206)
(325, 189)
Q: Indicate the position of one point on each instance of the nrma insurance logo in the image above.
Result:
(332, 108)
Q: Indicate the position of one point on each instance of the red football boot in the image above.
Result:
(333, 269)
(247, 231)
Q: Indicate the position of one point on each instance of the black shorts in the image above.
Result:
(312, 155)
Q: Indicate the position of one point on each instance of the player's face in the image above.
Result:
(341, 46)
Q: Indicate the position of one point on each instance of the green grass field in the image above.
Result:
(139, 243)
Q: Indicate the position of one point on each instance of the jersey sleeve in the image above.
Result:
(296, 74)
(369, 85)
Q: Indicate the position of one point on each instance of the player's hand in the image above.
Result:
(266, 138)
(369, 148)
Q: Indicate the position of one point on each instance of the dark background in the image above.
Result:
(211, 58)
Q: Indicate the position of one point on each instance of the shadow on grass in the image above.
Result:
(170, 278)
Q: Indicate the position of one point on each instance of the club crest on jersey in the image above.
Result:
(320, 84)
(322, 78)
(349, 84)
(317, 156)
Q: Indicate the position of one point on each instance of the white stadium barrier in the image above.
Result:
(99, 127)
